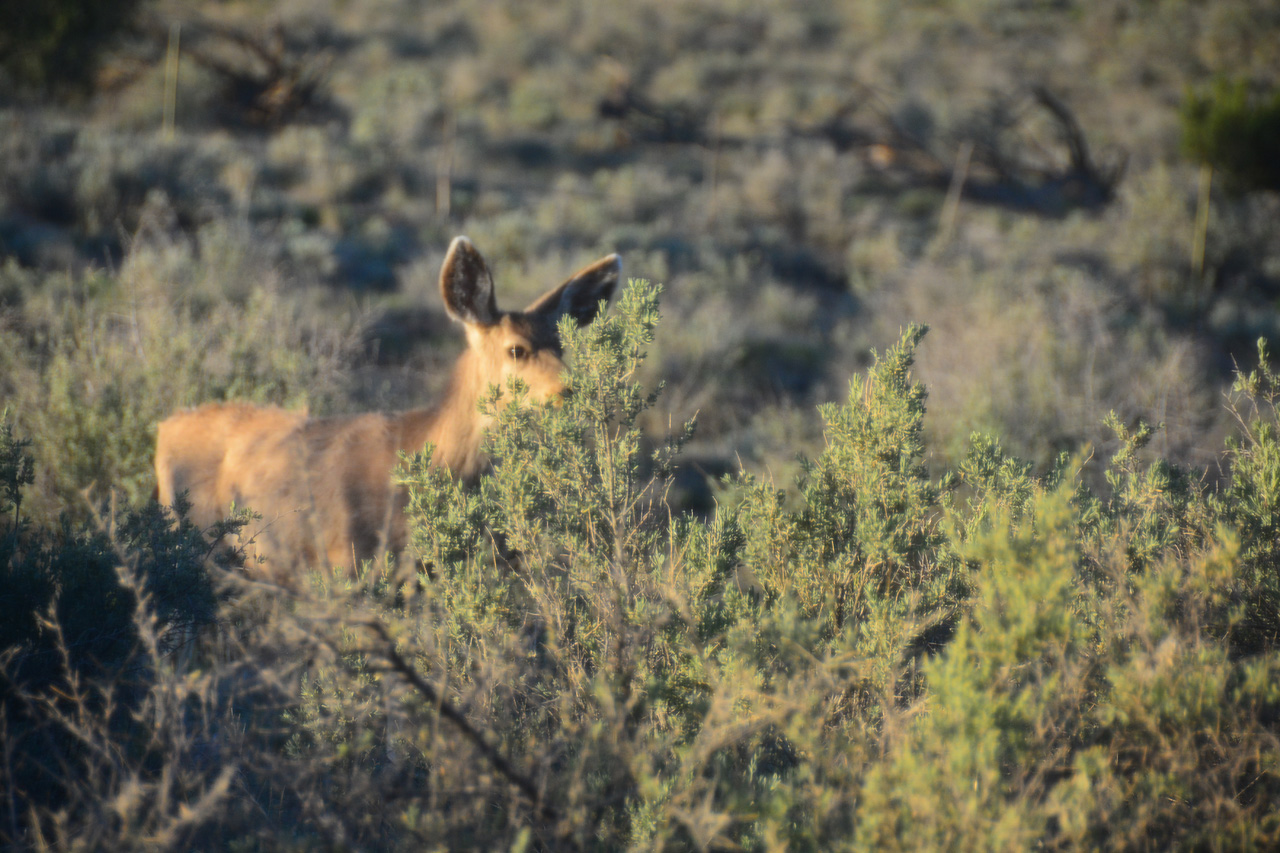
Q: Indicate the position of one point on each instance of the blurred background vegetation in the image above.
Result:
(210, 199)
(1066, 639)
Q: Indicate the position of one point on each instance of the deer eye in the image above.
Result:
(518, 352)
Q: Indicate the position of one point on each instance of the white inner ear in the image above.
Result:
(468, 285)
(483, 299)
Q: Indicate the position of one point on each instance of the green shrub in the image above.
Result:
(1235, 131)
(1250, 503)
(960, 774)
(57, 44)
(1080, 716)
(708, 675)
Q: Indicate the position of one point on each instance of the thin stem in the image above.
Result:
(398, 664)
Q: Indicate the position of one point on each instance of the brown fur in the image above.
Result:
(323, 485)
(191, 445)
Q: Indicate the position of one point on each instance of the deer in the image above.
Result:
(324, 486)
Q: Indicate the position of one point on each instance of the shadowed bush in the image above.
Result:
(56, 45)
(1235, 131)
(97, 743)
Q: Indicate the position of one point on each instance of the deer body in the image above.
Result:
(323, 485)
(191, 445)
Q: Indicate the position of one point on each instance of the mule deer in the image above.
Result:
(323, 485)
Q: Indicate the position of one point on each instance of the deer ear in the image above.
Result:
(580, 296)
(467, 286)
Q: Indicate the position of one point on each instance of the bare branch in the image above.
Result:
(397, 663)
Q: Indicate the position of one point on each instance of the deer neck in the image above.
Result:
(454, 427)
